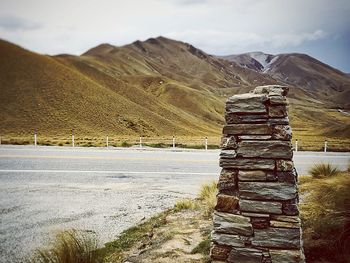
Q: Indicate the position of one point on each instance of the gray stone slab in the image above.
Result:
(290, 256)
(228, 154)
(255, 175)
(284, 218)
(232, 224)
(277, 111)
(233, 118)
(284, 238)
(265, 149)
(247, 129)
(254, 137)
(284, 166)
(289, 176)
(246, 255)
(246, 103)
(226, 239)
(274, 223)
(278, 100)
(227, 181)
(272, 90)
(248, 164)
(279, 121)
(281, 132)
(229, 142)
(267, 190)
(260, 206)
(255, 214)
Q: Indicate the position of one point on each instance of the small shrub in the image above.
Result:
(323, 170)
(207, 191)
(157, 145)
(185, 204)
(125, 144)
(70, 246)
(207, 195)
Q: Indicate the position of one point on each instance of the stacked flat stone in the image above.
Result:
(256, 218)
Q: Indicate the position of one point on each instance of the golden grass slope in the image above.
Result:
(41, 92)
(158, 87)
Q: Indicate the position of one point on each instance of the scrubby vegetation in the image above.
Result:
(207, 195)
(325, 212)
(323, 170)
(70, 246)
(186, 204)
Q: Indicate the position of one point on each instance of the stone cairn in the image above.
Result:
(256, 218)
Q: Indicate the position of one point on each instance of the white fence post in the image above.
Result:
(206, 143)
(72, 138)
(173, 142)
(107, 141)
(325, 146)
(296, 145)
(35, 139)
(140, 141)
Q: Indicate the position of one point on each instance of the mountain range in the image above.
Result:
(159, 87)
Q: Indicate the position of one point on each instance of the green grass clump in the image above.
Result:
(70, 246)
(157, 145)
(207, 195)
(325, 215)
(125, 144)
(203, 247)
(185, 204)
(322, 170)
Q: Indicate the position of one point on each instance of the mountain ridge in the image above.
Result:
(155, 87)
(300, 70)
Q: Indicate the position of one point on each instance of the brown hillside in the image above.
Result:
(156, 87)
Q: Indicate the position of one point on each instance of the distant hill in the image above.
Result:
(155, 87)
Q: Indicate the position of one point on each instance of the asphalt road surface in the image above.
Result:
(46, 189)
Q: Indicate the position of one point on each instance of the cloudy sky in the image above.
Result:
(320, 28)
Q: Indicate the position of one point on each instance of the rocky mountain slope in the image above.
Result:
(300, 70)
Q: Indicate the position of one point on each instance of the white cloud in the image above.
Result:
(219, 42)
(216, 26)
(14, 23)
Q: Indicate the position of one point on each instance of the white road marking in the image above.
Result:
(101, 172)
(104, 158)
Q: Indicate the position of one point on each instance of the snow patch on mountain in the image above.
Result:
(265, 60)
(268, 66)
(260, 57)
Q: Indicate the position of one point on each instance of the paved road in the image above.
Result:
(45, 189)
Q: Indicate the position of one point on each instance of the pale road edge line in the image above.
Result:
(105, 158)
(144, 159)
(102, 172)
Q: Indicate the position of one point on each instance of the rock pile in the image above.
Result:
(256, 216)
